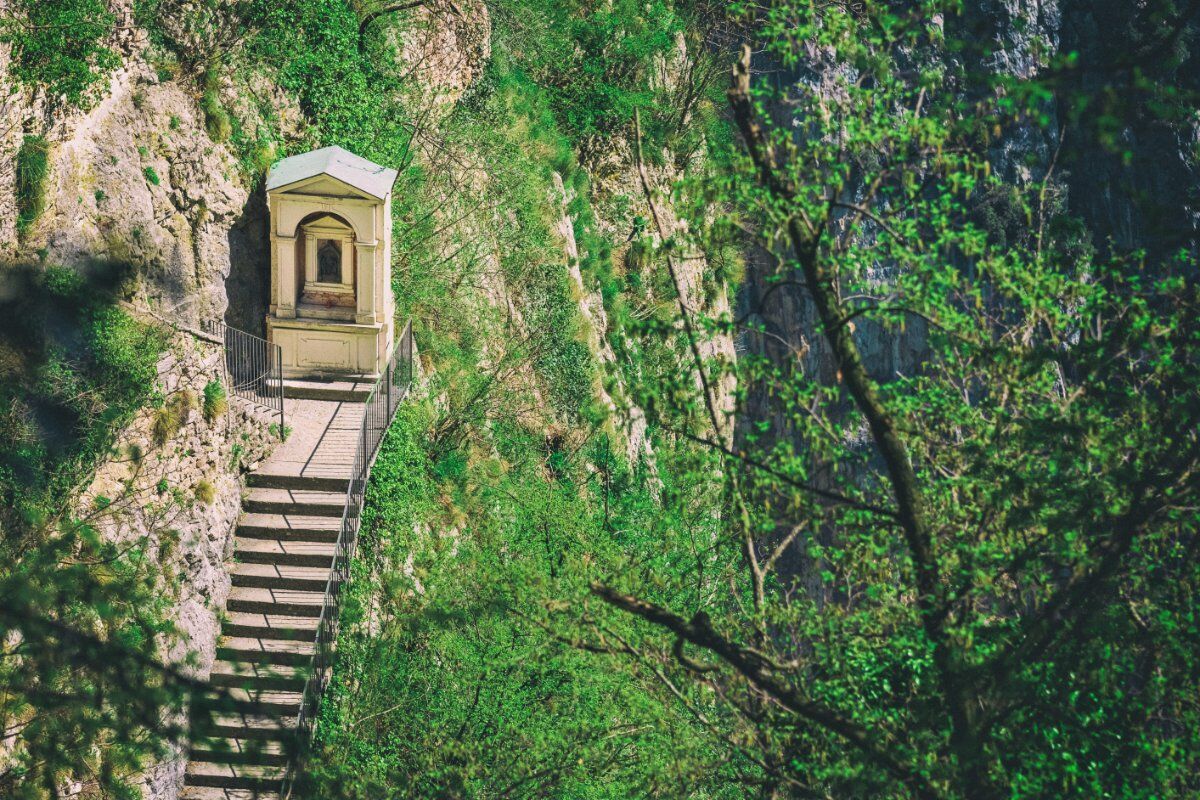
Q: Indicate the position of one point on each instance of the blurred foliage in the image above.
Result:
(963, 478)
(82, 616)
(32, 169)
(73, 368)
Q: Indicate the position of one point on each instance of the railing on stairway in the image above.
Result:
(392, 387)
(253, 368)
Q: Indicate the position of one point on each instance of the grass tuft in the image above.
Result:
(33, 166)
(215, 402)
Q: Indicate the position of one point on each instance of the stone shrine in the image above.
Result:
(331, 305)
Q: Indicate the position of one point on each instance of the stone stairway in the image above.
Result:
(284, 549)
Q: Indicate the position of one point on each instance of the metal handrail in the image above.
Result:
(385, 397)
(253, 367)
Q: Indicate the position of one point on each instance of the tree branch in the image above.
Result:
(759, 672)
(822, 285)
(371, 16)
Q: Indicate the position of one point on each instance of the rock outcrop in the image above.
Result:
(440, 48)
(140, 183)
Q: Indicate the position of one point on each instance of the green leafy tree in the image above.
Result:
(61, 48)
(973, 576)
(84, 696)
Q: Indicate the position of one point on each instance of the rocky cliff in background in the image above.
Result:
(1115, 190)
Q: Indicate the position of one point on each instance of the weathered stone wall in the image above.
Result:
(440, 48)
(177, 491)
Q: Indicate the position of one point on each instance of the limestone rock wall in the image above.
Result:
(177, 491)
(439, 47)
(138, 183)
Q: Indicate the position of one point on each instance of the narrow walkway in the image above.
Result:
(285, 541)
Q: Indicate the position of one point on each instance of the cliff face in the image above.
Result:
(1152, 198)
(140, 182)
(136, 181)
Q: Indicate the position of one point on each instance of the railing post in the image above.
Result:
(249, 365)
(278, 353)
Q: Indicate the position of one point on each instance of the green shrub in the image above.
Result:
(59, 47)
(279, 433)
(215, 403)
(216, 119)
(205, 492)
(33, 165)
(125, 352)
(151, 175)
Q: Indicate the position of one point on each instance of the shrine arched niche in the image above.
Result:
(325, 266)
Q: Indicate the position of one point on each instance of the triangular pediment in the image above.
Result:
(337, 173)
(329, 222)
(324, 186)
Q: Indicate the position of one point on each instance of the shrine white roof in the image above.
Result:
(342, 165)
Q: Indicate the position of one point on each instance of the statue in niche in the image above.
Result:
(329, 262)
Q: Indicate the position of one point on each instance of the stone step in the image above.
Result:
(241, 751)
(284, 478)
(284, 552)
(216, 793)
(271, 576)
(254, 676)
(269, 626)
(267, 702)
(275, 601)
(266, 651)
(230, 776)
(348, 389)
(294, 501)
(240, 725)
(289, 526)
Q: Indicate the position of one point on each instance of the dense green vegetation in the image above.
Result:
(75, 367)
(61, 48)
(452, 681)
(908, 587)
(933, 534)
(458, 688)
(881, 589)
(967, 575)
